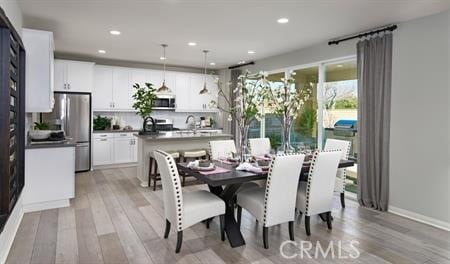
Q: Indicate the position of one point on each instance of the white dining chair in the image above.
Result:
(184, 209)
(316, 195)
(274, 204)
(221, 148)
(341, 174)
(259, 146)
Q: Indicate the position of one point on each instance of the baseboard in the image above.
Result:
(45, 205)
(420, 218)
(114, 166)
(10, 230)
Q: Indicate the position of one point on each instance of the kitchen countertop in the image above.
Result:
(66, 144)
(182, 136)
(116, 131)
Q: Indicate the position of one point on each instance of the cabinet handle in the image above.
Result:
(103, 139)
(123, 135)
(65, 86)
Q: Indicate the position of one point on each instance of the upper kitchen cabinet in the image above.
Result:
(141, 76)
(122, 88)
(189, 98)
(102, 97)
(73, 76)
(112, 88)
(157, 77)
(182, 99)
(39, 70)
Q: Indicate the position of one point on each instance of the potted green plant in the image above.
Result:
(144, 98)
(40, 131)
(102, 123)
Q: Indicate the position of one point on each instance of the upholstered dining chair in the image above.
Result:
(259, 146)
(344, 146)
(221, 148)
(184, 209)
(274, 204)
(316, 195)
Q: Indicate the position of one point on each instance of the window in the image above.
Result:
(340, 102)
(304, 129)
(334, 97)
(272, 125)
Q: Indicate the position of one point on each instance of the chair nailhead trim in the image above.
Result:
(310, 174)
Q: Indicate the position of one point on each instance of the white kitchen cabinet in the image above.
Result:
(188, 95)
(39, 70)
(102, 97)
(140, 76)
(122, 89)
(157, 77)
(124, 148)
(103, 149)
(49, 178)
(183, 93)
(73, 76)
(114, 148)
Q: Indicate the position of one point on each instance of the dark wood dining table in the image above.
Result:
(225, 185)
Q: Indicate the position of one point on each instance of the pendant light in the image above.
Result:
(164, 88)
(204, 90)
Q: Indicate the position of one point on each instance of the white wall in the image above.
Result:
(419, 165)
(419, 155)
(14, 14)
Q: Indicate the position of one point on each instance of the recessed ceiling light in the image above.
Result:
(339, 66)
(114, 32)
(102, 51)
(251, 52)
(283, 20)
(241, 62)
(162, 58)
(212, 63)
(192, 44)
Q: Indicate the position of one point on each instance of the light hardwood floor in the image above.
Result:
(113, 220)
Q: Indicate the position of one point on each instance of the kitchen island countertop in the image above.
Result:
(182, 136)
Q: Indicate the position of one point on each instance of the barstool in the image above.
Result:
(192, 154)
(153, 164)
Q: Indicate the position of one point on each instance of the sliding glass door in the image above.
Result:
(304, 130)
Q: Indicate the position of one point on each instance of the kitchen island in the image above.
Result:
(170, 141)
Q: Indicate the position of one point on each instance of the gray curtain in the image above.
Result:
(234, 80)
(374, 64)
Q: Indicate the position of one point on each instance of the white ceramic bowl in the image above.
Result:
(40, 134)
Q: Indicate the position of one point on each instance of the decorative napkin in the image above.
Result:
(263, 157)
(249, 167)
(217, 170)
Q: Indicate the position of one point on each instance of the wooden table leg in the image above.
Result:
(232, 229)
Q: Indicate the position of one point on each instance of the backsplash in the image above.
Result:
(179, 119)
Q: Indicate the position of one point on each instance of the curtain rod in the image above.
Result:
(240, 65)
(362, 34)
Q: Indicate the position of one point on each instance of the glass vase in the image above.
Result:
(243, 150)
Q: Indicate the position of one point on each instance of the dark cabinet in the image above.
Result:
(12, 117)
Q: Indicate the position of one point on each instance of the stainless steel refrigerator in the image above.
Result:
(72, 114)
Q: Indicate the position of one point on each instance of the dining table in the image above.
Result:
(227, 180)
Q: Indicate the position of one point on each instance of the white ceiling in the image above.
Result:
(229, 28)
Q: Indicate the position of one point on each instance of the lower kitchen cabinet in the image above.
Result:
(114, 148)
(103, 149)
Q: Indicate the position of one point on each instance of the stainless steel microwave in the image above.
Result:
(164, 102)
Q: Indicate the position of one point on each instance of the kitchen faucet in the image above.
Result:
(195, 122)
